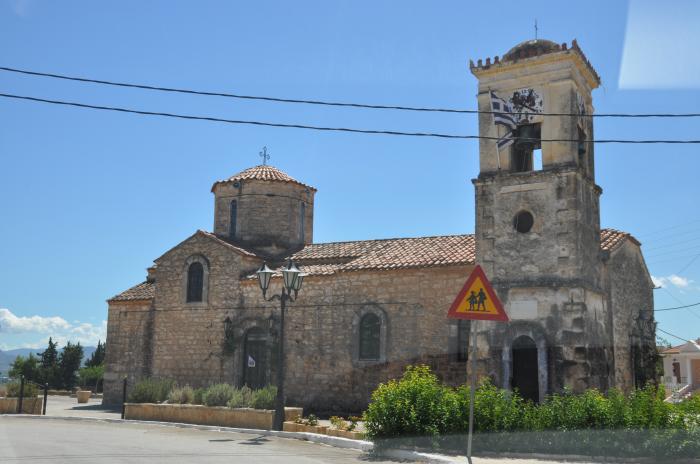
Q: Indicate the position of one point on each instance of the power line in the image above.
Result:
(675, 336)
(331, 103)
(677, 307)
(332, 129)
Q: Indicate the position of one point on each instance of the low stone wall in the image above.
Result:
(29, 405)
(323, 430)
(205, 415)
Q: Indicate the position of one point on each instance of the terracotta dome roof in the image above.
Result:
(531, 47)
(262, 172)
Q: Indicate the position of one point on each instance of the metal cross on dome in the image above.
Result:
(264, 155)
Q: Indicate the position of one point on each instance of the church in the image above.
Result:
(579, 297)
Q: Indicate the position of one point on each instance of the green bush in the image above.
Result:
(218, 395)
(30, 390)
(417, 406)
(264, 398)
(151, 391)
(181, 395)
(242, 398)
(198, 395)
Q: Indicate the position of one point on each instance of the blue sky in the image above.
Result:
(89, 199)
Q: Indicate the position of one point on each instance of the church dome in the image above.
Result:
(262, 172)
(531, 48)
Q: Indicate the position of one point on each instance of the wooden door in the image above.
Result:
(695, 370)
(255, 359)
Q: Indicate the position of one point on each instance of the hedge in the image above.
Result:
(417, 410)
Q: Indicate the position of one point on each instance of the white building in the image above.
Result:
(682, 367)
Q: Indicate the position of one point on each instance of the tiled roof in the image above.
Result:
(394, 253)
(611, 239)
(228, 243)
(262, 172)
(391, 253)
(143, 291)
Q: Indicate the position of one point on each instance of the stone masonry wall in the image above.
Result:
(268, 213)
(323, 371)
(188, 337)
(128, 346)
(632, 303)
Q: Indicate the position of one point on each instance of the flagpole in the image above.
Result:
(498, 131)
(498, 150)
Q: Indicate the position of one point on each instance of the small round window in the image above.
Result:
(523, 221)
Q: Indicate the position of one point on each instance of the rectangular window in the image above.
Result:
(234, 217)
(302, 220)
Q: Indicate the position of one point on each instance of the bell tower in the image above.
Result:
(538, 217)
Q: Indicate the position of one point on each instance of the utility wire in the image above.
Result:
(334, 129)
(675, 336)
(331, 103)
(677, 307)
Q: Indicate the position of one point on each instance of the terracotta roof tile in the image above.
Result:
(395, 253)
(611, 239)
(262, 172)
(143, 291)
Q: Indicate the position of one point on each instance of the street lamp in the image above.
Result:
(292, 278)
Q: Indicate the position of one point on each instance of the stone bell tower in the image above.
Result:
(538, 222)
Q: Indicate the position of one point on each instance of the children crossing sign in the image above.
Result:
(477, 300)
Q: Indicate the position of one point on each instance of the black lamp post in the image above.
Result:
(292, 277)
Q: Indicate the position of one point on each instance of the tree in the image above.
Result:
(49, 365)
(98, 356)
(68, 364)
(28, 367)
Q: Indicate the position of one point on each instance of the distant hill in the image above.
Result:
(8, 357)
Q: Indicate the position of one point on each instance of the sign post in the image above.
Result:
(477, 301)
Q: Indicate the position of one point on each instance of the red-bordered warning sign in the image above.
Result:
(477, 300)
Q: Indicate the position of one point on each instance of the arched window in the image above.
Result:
(234, 216)
(195, 282)
(370, 333)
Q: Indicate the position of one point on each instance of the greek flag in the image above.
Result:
(505, 141)
(502, 112)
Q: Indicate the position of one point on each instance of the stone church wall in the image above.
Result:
(324, 373)
(632, 302)
(128, 347)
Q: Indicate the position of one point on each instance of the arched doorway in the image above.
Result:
(525, 371)
(255, 358)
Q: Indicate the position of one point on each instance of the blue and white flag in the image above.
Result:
(502, 112)
(505, 141)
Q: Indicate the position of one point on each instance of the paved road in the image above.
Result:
(58, 441)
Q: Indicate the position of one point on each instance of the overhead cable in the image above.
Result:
(332, 129)
(332, 103)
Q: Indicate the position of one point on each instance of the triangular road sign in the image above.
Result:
(477, 300)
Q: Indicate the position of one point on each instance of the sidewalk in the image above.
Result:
(67, 406)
